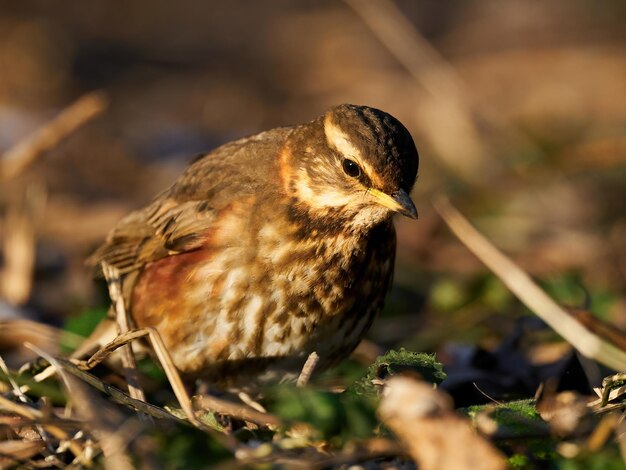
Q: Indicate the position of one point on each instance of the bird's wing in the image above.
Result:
(163, 228)
(177, 220)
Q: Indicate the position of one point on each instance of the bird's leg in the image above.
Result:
(164, 359)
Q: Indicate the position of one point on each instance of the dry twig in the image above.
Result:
(116, 394)
(25, 153)
(448, 106)
(18, 244)
(106, 426)
(22, 398)
(38, 416)
(307, 369)
(454, 108)
(73, 445)
(237, 411)
(129, 364)
(17, 451)
(524, 288)
(163, 357)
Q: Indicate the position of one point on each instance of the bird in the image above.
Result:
(270, 247)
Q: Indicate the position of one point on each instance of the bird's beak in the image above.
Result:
(398, 202)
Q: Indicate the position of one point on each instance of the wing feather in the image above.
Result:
(177, 220)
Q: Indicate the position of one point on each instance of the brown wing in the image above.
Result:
(176, 220)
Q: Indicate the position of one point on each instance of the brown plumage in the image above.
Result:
(270, 247)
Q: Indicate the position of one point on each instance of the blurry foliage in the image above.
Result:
(520, 461)
(49, 389)
(151, 369)
(336, 417)
(350, 414)
(448, 294)
(607, 458)
(185, 447)
(570, 290)
(84, 323)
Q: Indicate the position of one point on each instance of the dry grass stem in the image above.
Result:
(129, 364)
(18, 248)
(116, 394)
(162, 355)
(101, 355)
(603, 432)
(450, 108)
(237, 411)
(73, 445)
(113, 431)
(16, 388)
(22, 410)
(18, 244)
(164, 359)
(36, 415)
(173, 376)
(251, 402)
(620, 436)
(25, 153)
(18, 450)
(363, 451)
(411, 49)
(22, 397)
(525, 289)
(307, 369)
(19, 330)
(600, 328)
(454, 111)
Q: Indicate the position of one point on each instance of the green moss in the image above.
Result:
(395, 362)
(516, 419)
(525, 408)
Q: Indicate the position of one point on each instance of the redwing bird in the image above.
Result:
(270, 247)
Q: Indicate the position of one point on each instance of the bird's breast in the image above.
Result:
(279, 293)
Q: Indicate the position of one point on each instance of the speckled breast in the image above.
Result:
(257, 308)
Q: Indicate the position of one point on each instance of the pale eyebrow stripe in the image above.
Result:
(340, 141)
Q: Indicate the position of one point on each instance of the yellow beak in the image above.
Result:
(399, 202)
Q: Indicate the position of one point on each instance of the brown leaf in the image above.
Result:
(433, 434)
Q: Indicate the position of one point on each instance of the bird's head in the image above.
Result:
(354, 163)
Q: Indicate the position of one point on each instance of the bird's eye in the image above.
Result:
(351, 168)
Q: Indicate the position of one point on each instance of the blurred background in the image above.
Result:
(518, 110)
